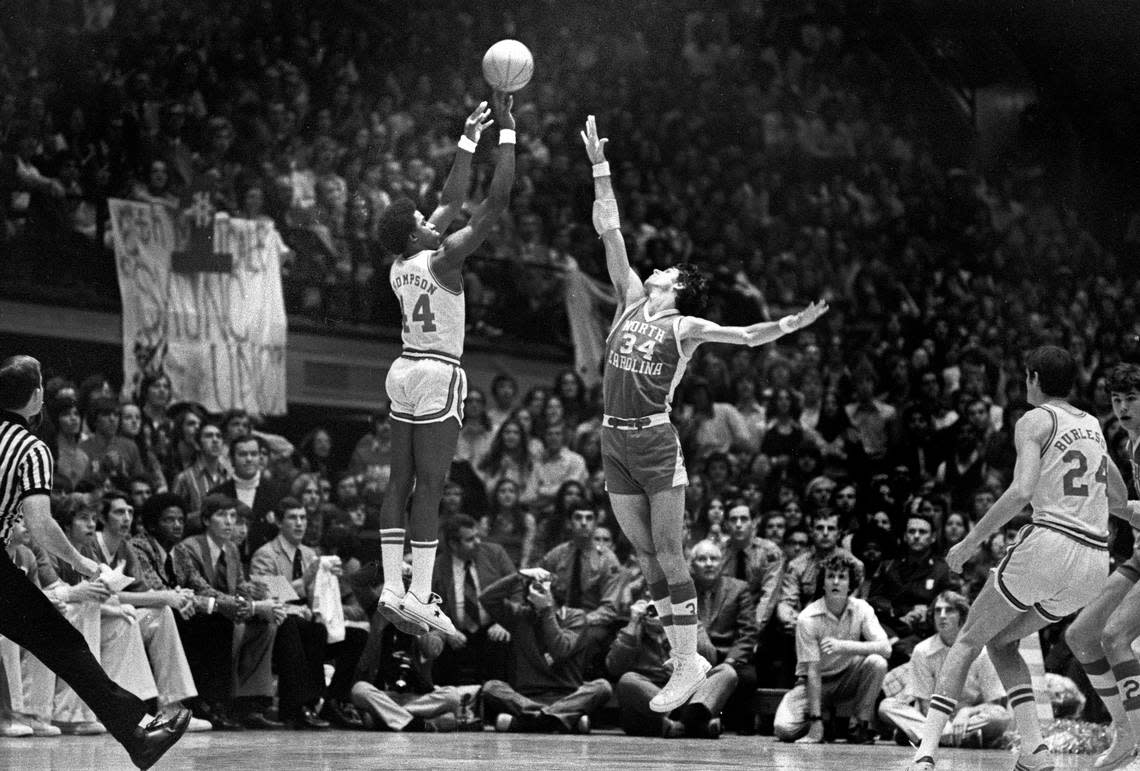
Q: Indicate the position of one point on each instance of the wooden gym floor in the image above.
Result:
(336, 750)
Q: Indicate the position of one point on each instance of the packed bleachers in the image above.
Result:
(760, 140)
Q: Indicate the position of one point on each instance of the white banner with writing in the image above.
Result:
(217, 332)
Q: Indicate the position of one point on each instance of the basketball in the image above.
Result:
(508, 65)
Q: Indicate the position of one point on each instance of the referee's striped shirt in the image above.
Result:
(25, 469)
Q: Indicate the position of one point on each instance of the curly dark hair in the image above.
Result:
(395, 225)
(835, 563)
(1124, 378)
(693, 292)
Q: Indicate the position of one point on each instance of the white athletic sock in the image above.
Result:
(423, 563)
(659, 592)
(1103, 682)
(942, 708)
(392, 557)
(683, 602)
(1023, 704)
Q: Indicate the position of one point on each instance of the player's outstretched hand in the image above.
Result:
(809, 314)
(595, 145)
(477, 121)
(503, 102)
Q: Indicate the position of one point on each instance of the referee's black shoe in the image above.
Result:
(150, 743)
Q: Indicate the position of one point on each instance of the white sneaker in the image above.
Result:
(1039, 760)
(688, 674)
(391, 607)
(39, 727)
(11, 729)
(198, 725)
(427, 613)
(1122, 749)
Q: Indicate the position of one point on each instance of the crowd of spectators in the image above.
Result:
(758, 141)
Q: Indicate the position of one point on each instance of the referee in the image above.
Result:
(27, 617)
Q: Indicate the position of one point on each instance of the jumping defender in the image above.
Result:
(648, 348)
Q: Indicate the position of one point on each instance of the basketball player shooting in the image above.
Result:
(427, 384)
(647, 351)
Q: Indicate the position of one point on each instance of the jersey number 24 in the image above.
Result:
(421, 314)
(1072, 483)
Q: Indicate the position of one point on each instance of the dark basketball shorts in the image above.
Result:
(642, 462)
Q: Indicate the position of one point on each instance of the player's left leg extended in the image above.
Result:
(1084, 638)
(433, 447)
(393, 529)
(990, 615)
(632, 514)
(1122, 627)
(667, 515)
(1005, 653)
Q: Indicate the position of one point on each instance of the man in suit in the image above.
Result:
(252, 488)
(547, 690)
(465, 566)
(754, 560)
(590, 579)
(302, 640)
(230, 645)
(726, 610)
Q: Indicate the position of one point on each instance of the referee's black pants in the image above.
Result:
(29, 619)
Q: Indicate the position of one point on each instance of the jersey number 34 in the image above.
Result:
(421, 314)
(1072, 483)
(645, 349)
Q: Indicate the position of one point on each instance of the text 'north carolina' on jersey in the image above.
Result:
(434, 317)
(644, 363)
(1072, 491)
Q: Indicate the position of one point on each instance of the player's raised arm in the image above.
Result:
(606, 221)
(459, 179)
(460, 244)
(695, 331)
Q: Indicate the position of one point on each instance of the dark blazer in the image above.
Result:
(729, 614)
(265, 499)
(194, 569)
(491, 564)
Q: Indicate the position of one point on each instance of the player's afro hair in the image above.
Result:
(395, 225)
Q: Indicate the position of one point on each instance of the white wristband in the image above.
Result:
(788, 325)
(466, 143)
(601, 169)
(506, 136)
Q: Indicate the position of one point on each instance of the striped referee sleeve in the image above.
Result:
(35, 471)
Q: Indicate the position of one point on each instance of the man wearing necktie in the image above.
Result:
(727, 612)
(302, 641)
(756, 561)
(233, 679)
(590, 579)
(463, 568)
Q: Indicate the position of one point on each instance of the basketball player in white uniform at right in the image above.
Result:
(426, 384)
(1058, 564)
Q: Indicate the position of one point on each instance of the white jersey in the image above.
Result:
(1071, 495)
(434, 317)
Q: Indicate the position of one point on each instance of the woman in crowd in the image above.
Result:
(316, 453)
(510, 458)
(475, 436)
(511, 524)
(131, 427)
(571, 393)
(71, 462)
